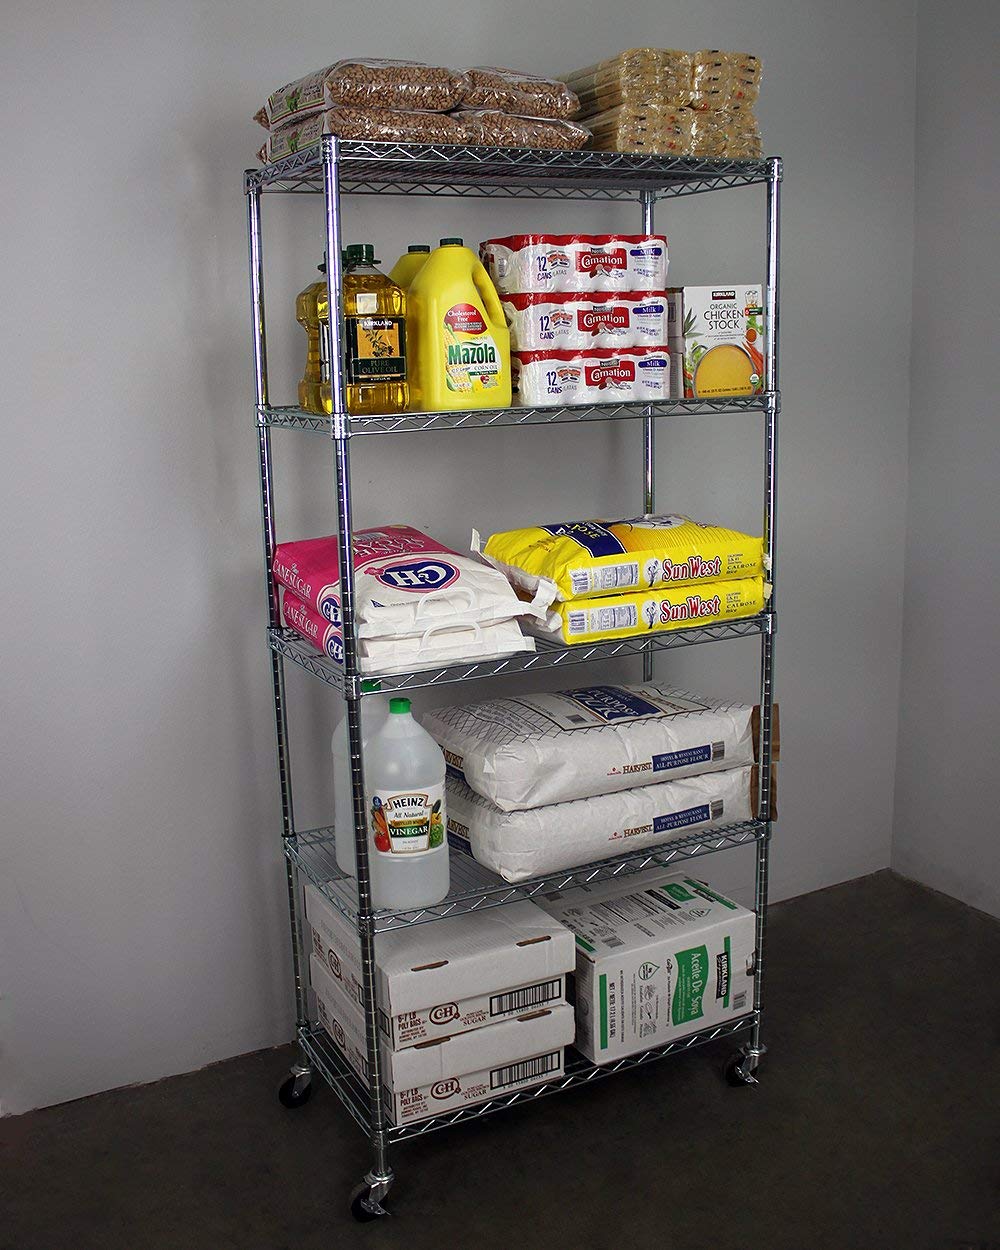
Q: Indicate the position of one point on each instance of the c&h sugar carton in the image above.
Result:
(658, 955)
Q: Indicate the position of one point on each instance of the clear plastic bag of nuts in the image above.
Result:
(491, 128)
(526, 95)
(397, 85)
(366, 124)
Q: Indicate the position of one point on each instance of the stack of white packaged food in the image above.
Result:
(547, 782)
(587, 316)
(417, 603)
(470, 1008)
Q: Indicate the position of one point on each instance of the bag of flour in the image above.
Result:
(551, 748)
(521, 845)
(405, 583)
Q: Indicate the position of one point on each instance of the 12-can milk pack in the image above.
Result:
(658, 955)
(450, 1072)
(523, 844)
(573, 321)
(538, 749)
(434, 981)
(600, 376)
(525, 263)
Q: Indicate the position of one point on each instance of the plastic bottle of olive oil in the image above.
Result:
(375, 337)
(409, 264)
(307, 315)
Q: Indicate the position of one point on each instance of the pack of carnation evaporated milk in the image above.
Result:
(524, 263)
(582, 321)
(601, 376)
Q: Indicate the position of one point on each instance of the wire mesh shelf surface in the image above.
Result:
(475, 888)
(287, 643)
(353, 1091)
(291, 418)
(460, 170)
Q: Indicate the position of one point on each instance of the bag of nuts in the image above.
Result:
(493, 129)
(383, 84)
(527, 95)
(369, 124)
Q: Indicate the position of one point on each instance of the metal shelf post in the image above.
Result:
(648, 201)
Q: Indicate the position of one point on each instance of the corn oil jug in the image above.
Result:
(459, 341)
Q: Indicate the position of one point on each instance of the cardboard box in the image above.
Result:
(451, 1072)
(436, 980)
(721, 332)
(659, 955)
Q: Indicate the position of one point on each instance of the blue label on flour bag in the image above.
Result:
(682, 759)
(589, 535)
(612, 703)
(677, 820)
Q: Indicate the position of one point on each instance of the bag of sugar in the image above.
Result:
(405, 583)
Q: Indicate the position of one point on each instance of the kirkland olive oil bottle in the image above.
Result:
(375, 337)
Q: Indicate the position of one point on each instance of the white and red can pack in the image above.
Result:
(544, 379)
(525, 263)
(573, 321)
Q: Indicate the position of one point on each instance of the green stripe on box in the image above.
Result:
(604, 1011)
(584, 943)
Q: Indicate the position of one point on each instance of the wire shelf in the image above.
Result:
(287, 643)
(459, 170)
(331, 1063)
(475, 888)
(291, 418)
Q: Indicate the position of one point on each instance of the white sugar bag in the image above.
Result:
(521, 845)
(551, 748)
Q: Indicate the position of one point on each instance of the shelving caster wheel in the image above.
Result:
(742, 1068)
(295, 1089)
(366, 1200)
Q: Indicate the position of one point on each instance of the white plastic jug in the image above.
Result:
(404, 776)
(374, 710)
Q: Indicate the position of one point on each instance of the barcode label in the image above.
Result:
(718, 750)
(740, 1001)
(715, 808)
(528, 996)
(526, 1070)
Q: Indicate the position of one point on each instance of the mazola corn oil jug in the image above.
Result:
(459, 341)
(409, 265)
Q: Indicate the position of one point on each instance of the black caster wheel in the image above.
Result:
(738, 1072)
(295, 1091)
(364, 1207)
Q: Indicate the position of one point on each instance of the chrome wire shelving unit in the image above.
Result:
(339, 167)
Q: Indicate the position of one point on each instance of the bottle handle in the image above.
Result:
(488, 293)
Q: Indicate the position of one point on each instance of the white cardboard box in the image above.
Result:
(451, 1072)
(659, 955)
(440, 979)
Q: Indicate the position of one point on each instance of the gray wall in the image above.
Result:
(946, 828)
(142, 927)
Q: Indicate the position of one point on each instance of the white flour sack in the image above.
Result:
(521, 845)
(406, 584)
(550, 748)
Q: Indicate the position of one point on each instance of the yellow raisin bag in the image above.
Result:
(587, 558)
(627, 616)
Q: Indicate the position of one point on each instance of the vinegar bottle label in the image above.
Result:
(406, 822)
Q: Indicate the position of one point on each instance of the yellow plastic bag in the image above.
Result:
(628, 616)
(587, 558)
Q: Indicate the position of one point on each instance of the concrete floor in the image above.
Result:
(875, 1127)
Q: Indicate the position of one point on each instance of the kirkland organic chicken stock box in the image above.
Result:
(462, 973)
(658, 955)
(450, 1072)
(721, 332)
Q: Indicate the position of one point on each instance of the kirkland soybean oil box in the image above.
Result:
(658, 955)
